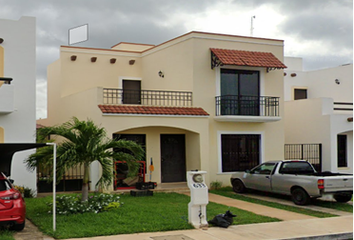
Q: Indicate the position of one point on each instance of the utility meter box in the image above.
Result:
(199, 198)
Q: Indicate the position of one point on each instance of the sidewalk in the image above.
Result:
(320, 228)
(294, 226)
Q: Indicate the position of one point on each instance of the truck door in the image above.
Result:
(260, 177)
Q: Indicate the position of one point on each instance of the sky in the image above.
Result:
(319, 31)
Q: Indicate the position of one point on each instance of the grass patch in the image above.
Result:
(227, 192)
(161, 212)
(6, 235)
(345, 207)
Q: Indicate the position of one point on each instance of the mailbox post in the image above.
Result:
(199, 198)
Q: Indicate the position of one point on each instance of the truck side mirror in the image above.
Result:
(11, 181)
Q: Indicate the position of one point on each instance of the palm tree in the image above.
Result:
(81, 143)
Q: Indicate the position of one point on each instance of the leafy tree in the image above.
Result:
(81, 143)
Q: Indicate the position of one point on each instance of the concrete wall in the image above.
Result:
(314, 120)
(319, 83)
(19, 126)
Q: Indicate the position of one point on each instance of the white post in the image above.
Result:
(54, 182)
(253, 17)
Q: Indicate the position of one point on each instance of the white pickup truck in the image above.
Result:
(297, 178)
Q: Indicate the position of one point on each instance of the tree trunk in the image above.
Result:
(85, 182)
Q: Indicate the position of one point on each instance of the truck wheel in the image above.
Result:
(342, 198)
(300, 196)
(238, 186)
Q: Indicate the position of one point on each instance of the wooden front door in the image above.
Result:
(173, 158)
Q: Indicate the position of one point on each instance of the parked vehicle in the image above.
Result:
(12, 205)
(296, 178)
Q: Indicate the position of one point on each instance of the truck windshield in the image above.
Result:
(265, 168)
(296, 168)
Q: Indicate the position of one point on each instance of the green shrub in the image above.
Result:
(68, 204)
(25, 191)
(215, 185)
(111, 206)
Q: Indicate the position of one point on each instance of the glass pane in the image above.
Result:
(229, 85)
(249, 83)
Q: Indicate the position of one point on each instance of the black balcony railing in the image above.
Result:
(247, 105)
(147, 97)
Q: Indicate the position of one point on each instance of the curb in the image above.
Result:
(336, 236)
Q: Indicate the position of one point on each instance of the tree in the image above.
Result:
(83, 142)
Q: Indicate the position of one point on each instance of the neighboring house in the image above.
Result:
(202, 101)
(18, 97)
(319, 110)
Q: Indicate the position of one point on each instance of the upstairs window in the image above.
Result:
(300, 94)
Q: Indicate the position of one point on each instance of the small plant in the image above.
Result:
(67, 204)
(215, 185)
(25, 191)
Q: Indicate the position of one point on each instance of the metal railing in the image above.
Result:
(247, 105)
(70, 181)
(310, 152)
(147, 97)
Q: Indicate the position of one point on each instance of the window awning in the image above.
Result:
(221, 57)
(7, 150)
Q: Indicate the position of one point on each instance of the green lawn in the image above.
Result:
(6, 235)
(227, 192)
(161, 212)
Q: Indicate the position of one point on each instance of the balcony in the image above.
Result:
(235, 108)
(147, 97)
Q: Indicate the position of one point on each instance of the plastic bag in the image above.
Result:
(223, 220)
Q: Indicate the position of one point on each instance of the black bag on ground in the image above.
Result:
(223, 220)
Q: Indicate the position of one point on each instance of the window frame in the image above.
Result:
(219, 146)
(261, 75)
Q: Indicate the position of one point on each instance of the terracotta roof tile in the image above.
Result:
(151, 110)
(247, 58)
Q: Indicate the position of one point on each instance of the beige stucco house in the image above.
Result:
(204, 101)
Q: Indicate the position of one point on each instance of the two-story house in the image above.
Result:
(204, 101)
(18, 93)
(319, 111)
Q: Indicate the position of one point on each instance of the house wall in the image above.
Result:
(313, 120)
(186, 64)
(320, 83)
(19, 50)
(206, 87)
(82, 74)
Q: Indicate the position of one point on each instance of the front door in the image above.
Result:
(131, 92)
(173, 158)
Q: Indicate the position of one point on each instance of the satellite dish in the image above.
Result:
(78, 34)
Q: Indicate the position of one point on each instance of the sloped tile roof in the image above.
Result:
(247, 58)
(151, 110)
